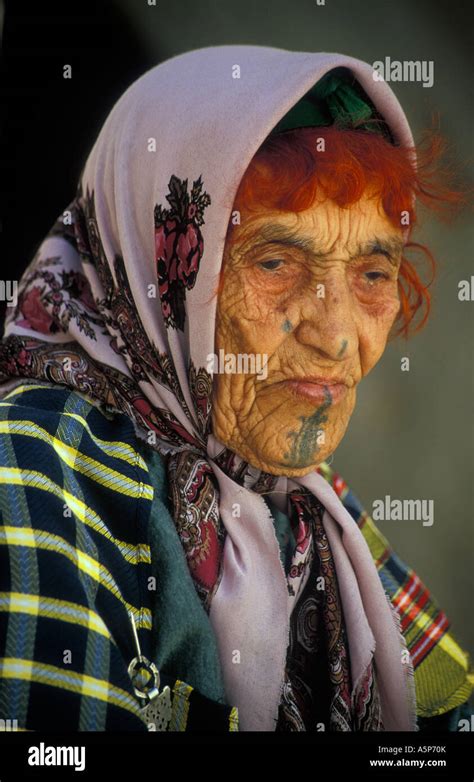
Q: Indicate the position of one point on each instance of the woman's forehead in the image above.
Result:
(323, 229)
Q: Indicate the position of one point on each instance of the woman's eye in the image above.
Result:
(270, 265)
(375, 276)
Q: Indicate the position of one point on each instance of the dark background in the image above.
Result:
(411, 435)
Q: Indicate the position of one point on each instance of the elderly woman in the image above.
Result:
(183, 358)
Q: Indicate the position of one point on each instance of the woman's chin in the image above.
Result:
(300, 445)
(291, 466)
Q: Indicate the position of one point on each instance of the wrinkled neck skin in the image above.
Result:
(322, 308)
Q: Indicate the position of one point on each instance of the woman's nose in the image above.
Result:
(328, 321)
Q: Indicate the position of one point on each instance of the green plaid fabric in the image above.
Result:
(75, 501)
(75, 498)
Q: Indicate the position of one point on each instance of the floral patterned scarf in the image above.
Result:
(117, 303)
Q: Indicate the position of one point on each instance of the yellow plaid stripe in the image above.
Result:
(89, 467)
(34, 538)
(234, 719)
(116, 449)
(51, 608)
(38, 480)
(24, 387)
(180, 705)
(31, 670)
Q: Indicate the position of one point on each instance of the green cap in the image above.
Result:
(336, 99)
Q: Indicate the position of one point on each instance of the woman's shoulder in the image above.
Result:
(69, 410)
(62, 457)
(49, 429)
(73, 482)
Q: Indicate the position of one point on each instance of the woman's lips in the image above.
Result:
(317, 392)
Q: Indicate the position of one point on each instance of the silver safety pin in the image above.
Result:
(158, 708)
(142, 662)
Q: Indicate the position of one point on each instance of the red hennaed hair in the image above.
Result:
(288, 173)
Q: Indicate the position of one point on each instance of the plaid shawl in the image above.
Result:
(72, 568)
(432, 647)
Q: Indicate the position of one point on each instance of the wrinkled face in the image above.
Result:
(314, 295)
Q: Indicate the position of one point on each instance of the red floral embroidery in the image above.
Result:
(179, 246)
(34, 314)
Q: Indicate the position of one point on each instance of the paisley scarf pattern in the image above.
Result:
(317, 689)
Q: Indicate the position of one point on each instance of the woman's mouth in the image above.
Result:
(317, 391)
